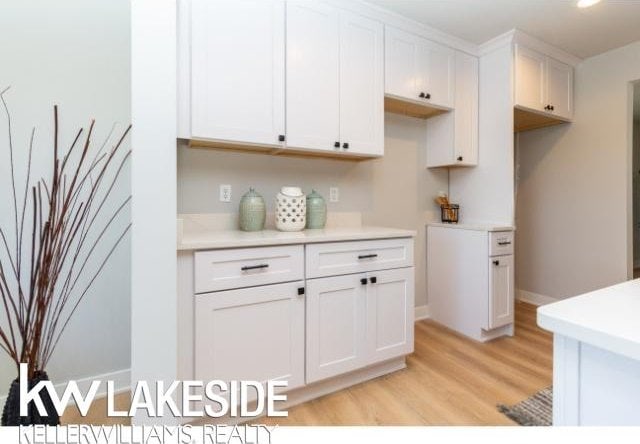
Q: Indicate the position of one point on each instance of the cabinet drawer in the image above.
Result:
(247, 267)
(355, 257)
(500, 242)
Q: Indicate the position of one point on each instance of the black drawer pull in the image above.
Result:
(496, 263)
(300, 291)
(254, 267)
(363, 281)
(373, 279)
(504, 243)
(367, 256)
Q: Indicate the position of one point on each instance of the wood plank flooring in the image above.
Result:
(449, 380)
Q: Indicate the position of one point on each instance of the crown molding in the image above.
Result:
(534, 43)
(390, 18)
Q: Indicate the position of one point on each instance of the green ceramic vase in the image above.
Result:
(316, 211)
(253, 211)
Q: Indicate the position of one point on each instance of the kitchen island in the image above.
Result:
(596, 357)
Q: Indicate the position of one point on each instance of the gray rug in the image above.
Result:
(534, 411)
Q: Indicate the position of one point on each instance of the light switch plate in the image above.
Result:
(225, 193)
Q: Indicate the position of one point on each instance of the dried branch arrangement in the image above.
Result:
(46, 272)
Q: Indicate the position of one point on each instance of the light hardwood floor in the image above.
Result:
(449, 380)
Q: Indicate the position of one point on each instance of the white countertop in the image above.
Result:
(202, 240)
(607, 318)
(473, 226)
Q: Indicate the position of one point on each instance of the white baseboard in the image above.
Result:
(534, 298)
(421, 312)
(121, 380)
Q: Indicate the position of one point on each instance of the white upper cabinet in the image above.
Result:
(237, 71)
(313, 75)
(418, 70)
(361, 85)
(452, 138)
(335, 92)
(530, 73)
(560, 88)
(543, 84)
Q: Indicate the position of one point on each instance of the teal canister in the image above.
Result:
(253, 211)
(316, 211)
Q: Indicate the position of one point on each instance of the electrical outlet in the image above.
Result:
(225, 193)
(334, 194)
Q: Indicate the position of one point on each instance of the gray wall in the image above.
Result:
(395, 190)
(75, 54)
(574, 209)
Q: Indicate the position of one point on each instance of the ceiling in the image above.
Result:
(581, 32)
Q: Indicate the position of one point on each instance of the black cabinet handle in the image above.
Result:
(504, 243)
(336, 145)
(254, 267)
(373, 279)
(363, 281)
(281, 138)
(345, 146)
(428, 96)
(422, 95)
(300, 291)
(553, 108)
(460, 158)
(496, 263)
(367, 256)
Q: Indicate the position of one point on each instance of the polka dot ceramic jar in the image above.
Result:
(291, 209)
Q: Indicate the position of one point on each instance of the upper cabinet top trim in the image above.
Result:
(520, 37)
(406, 24)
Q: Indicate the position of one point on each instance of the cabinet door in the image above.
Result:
(452, 138)
(400, 64)
(437, 73)
(361, 85)
(236, 329)
(313, 103)
(530, 78)
(390, 314)
(237, 83)
(466, 110)
(560, 88)
(501, 288)
(336, 310)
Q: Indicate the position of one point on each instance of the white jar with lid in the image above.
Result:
(291, 209)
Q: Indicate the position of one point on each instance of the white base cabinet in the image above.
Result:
(254, 334)
(470, 280)
(280, 313)
(336, 319)
(358, 320)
